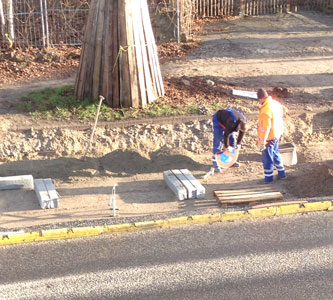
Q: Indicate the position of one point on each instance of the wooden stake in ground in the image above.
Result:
(101, 99)
(119, 56)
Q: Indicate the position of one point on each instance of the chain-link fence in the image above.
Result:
(171, 19)
(41, 23)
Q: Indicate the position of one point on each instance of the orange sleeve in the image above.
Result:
(264, 127)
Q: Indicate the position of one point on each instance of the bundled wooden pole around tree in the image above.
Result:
(119, 56)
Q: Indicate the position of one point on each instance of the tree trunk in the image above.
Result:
(119, 57)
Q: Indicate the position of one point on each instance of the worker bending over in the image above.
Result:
(270, 129)
(226, 122)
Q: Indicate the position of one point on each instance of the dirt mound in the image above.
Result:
(133, 162)
(316, 180)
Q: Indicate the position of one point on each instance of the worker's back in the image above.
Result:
(274, 111)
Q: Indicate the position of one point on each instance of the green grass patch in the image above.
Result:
(61, 104)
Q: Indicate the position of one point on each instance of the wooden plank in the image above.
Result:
(132, 56)
(271, 196)
(139, 59)
(106, 89)
(227, 194)
(152, 50)
(155, 59)
(143, 47)
(250, 196)
(88, 81)
(261, 187)
(86, 51)
(242, 191)
(97, 66)
(125, 85)
(149, 36)
(115, 63)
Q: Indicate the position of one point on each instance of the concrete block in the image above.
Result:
(175, 185)
(191, 190)
(46, 193)
(184, 184)
(199, 188)
(17, 182)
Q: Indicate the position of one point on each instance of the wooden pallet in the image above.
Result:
(249, 194)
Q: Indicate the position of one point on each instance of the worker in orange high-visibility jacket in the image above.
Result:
(270, 130)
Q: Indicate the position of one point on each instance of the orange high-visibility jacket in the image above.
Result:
(270, 122)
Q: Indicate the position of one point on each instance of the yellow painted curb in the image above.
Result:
(69, 233)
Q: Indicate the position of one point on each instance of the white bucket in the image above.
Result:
(288, 153)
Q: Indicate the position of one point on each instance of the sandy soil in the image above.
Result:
(282, 51)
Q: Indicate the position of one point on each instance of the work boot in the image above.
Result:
(219, 170)
(236, 165)
(281, 174)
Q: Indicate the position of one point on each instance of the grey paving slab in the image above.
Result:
(175, 185)
(191, 189)
(46, 193)
(199, 188)
(17, 182)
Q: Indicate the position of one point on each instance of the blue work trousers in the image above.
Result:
(271, 157)
(218, 135)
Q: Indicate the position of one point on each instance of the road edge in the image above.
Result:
(80, 232)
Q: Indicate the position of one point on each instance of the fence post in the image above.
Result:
(239, 7)
(10, 14)
(46, 24)
(42, 21)
(178, 23)
(242, 8)
(288, 6)
(2, 17)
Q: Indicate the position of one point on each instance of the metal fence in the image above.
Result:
(42, 23)
(212, 8)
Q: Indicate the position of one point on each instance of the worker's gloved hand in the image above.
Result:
(238, 146)
(262, 148)
(230, 149)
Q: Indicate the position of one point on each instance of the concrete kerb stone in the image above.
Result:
(79, 232)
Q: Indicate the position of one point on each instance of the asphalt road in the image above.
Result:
(289, 257)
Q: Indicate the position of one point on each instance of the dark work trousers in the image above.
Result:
(271, 157)
(218, 135)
